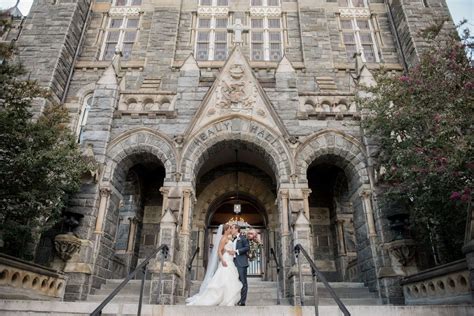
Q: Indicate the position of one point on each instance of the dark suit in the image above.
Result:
(241, 262)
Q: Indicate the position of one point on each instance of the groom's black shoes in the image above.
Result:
(240, 304)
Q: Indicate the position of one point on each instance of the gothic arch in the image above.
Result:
(348, 150)
(143, 141)
(255, 135)
(247, 184)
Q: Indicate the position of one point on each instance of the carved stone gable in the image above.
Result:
(236, 91)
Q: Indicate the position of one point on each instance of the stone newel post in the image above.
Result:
(171, 273)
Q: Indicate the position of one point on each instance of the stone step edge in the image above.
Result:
(69, 308)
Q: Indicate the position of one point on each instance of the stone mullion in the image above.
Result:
(266, 39)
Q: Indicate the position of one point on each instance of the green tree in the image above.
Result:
(40, 164)
(423, 122)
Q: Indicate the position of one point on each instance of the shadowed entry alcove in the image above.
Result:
(331, 217)
(235, 173)
(252, 216)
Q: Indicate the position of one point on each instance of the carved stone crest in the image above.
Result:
(235, 93)
(66, 245)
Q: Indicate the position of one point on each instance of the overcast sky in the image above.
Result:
(460, 9)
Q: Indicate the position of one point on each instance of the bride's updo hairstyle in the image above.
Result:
(225, 228)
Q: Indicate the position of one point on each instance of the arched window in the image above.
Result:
(81, 123)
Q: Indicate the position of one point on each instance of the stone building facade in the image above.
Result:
(191, 106)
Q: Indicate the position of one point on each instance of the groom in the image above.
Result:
(241, 246)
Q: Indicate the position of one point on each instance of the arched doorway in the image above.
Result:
(252, 215)
(133, 215)
(331, 217)
(139, 212)
(236, 173)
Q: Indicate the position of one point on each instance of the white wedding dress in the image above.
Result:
(223, 288)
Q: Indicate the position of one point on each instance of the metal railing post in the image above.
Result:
(315, 292)
(164, 249)
(164, 254)
(317, 274)
(297, 252)
(188, 275)
(142, 286)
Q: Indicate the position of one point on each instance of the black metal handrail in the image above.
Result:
(189, 267)
(142, 266)
(316, 274)
(278, 274)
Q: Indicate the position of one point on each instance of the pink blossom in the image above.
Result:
(455, 196)
(404, 79)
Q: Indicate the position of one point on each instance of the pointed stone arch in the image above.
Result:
(140, 141)
(260, 138)
(349, 152)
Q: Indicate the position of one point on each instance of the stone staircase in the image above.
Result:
(261, 302)
(264, 293)
(260, 293)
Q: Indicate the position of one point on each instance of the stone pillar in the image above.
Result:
(306, 193)
(200, 270)
(286, 254)
(367, 204)
(184, 236)
(165, 192)
(341, 244)
(104, 193)
(284, 212)
(302, 236)
(186, 211)
(131, 234)
(171, 275)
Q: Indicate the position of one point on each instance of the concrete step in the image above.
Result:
(120, 298)
(16, 308)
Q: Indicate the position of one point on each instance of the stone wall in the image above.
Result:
(49, 41)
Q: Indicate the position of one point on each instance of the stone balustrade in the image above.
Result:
(446, 284)
(25, 280)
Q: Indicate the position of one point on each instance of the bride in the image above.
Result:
(221, 285)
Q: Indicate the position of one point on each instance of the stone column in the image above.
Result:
(306, 193)
(186, 211)
(171, 273)
(104, 193)
(367, 204)
(341, 244)
(286, 253)
(200, 257)
(131, 234)
(165, 192)
(302, 236)
(284, 212)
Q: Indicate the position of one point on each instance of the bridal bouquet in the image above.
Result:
(254, 243)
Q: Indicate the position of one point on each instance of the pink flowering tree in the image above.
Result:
(423, 122)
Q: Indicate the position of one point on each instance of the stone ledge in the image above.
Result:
(149, 114)
(102, 64)
(11, 307)
(451, 267)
